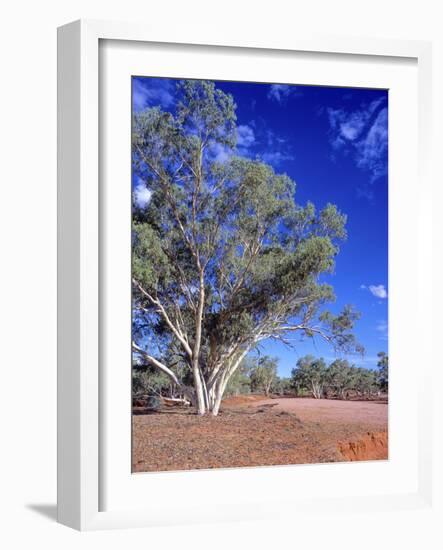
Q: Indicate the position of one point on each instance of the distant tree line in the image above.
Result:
(311, 377)
(339, 379)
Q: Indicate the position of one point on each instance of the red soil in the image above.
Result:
(331, 410)
(249, 399)
(252, 431)
(371, 446)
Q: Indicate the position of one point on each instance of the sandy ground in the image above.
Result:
(260, 432)
(329, 410)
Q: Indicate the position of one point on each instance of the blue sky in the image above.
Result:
(333, 142)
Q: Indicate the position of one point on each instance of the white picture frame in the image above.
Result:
(79, 258)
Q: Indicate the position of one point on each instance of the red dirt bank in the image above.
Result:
(251, 431)
(371, 446)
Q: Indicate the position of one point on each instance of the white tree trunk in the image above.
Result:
(317, 390)
(198, 382)
(218, 396)
(198, 388)
(218, 390)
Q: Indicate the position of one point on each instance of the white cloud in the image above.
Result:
(349, 125)
(379, 291)
(281, 92)
(142, 195)
(382, 327)
(245, 139)
(364, 134)
(350, 130)
(273, 140)
(220, 153)
(371, 151)
(276, 148)
(365, 191)
(256, 140)
(149, 92)
(276, 158)
(245, 136)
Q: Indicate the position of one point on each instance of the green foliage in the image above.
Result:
(257, 375)
(366, 382)
(150, 263)
(339, 379)
(264, 374)
(240, 382)
(207, 112)
(340, 326)
(281, 386)
(229, 237)
(149, 382)
(383, 370)
(310, 373)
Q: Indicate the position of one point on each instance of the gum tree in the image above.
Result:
(383, 370)
(264, 374)
(223, 256)
(341, 377)
(312, 374)
(366, 382)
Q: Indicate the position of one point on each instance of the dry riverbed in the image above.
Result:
(254, 431)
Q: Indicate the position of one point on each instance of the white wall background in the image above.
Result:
(28, 267)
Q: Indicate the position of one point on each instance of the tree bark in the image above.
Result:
(198, 383)
(223, 379)
(198, 388)
(317, 390)
(218, 397)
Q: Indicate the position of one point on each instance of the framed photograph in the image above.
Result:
(240, 226)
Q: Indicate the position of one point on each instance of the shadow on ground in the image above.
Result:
(48, 511)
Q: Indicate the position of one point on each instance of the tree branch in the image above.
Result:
(156, 363)
(162, 311)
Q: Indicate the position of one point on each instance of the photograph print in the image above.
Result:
(259, 274)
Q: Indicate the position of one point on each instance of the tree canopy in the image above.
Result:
(311, 373)
(223, 255)
(264, 374)
(383, 369)
(339, 378)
